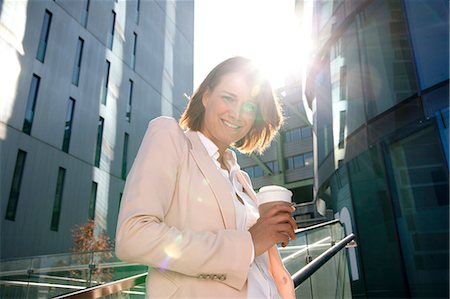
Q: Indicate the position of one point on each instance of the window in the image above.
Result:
(308, 157)
(133, 55)
(342, 121)
(85, 13)
(42, 48)
(273, 166)
(106, 82)
(15, 186)
(138, 8)
(92, 201)
(58, 200)
(295, 162)
(68, 125)
(111, 33)
(98, 149)
(77, 63)
(130, 101)
(297, 134)
(306, 132)
(31, 104)
(125, 156)
(254, 171)
(343, 83)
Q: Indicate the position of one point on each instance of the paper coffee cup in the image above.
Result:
(271, 195)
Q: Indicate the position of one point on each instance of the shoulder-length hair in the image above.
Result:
(269, 116)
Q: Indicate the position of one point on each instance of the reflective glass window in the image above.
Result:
(68, 125)
(429, 30)
(57, 203)
(14, 192)
(385, 55)
(31, 104)
(43, 40)
(376, 231)
(420, 186)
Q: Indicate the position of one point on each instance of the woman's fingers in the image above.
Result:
(280, 208)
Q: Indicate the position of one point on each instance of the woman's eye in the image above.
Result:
(249, 107)
(228, 98)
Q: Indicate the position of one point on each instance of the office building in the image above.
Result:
(379, 91)
(80, 81)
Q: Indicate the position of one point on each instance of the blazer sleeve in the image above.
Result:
(143, 236)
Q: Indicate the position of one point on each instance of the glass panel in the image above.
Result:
(93, 200)
(15, 186)
(44, 36)
(385, 56)
(125, 156)
(98, 149)
(52, 275)
(381, 259)
(58, 199)
(106, 83)
(420, 182)
(428, 25)
(68, 125)
(85, 14)
(31, 104)
(130, 101)
(77, 63)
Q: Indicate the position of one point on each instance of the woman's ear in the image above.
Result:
(205, 97)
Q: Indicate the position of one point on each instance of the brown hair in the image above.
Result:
(269, 116)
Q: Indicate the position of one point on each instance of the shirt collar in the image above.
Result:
(211, 148)
(213, 152)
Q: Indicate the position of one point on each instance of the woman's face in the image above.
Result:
(230, 111)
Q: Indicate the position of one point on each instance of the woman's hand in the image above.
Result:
(276, 226)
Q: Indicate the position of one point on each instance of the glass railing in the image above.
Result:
(101, 275)
(331, 280)
(52, 275)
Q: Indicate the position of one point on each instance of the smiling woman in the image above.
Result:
(190, 212)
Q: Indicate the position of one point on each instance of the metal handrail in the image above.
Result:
(107, 288)
(308, 270)
(300, 230)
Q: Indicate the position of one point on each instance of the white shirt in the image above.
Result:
(260, 281)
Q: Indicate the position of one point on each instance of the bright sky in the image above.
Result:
(267, 31)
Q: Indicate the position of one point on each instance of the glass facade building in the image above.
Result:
(379, 91)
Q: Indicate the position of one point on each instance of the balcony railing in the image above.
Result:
(315, 260)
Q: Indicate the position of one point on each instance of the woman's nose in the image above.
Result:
(235, 111)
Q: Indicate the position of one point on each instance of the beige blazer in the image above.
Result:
(177, 216)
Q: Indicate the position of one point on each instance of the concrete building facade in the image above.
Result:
(80, 81)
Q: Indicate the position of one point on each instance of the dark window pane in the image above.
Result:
(93, 200)
(68, 125)
(98, 150)
(31, 104)
(14, 192)
(43, 40)
(56, 214)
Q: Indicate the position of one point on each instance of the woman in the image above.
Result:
(188, 210)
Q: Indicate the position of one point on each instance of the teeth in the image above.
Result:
(230, 125)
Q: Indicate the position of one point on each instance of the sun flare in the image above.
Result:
(267, 31)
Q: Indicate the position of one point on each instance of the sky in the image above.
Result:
(267, 31)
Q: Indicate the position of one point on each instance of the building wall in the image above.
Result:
(379, 91)
(161, 74)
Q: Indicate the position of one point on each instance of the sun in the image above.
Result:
(267, 31)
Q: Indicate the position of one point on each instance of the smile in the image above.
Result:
(230, 125)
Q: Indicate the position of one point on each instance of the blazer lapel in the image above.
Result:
(218, 183)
